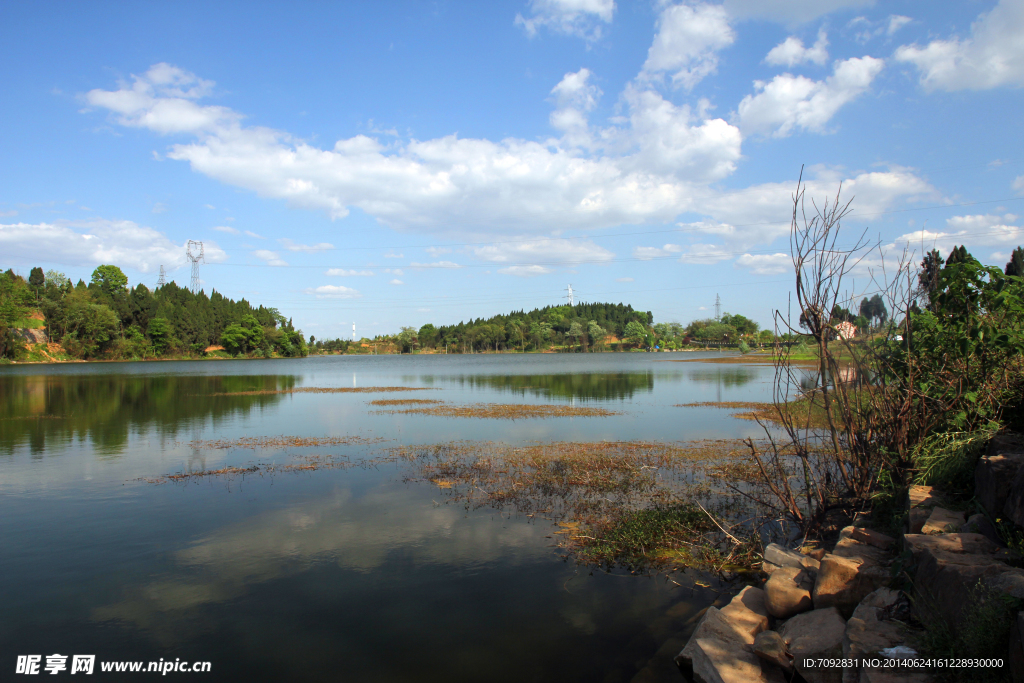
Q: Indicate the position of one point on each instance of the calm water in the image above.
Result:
(337, 574)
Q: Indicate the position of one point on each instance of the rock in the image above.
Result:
(783, 557)
(943, 521)
(1013, 509)
(843, 582)
(944, 583)
(737, 623)
(769, 646)
(1015, 660)
(994, 475)
(818, 554)
(768, 567)
(747, 611)
(788, 592)
(923, 497)
(717, 661)
(951, 543)
(916, 519)
(871, 537)
(848, 546)
(868, 632)
(979, 524)
(812, 635)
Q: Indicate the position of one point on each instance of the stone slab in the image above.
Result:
(923, 497)
(950, 543)
(843, 582)
(848, 546)
(716, 661)
(943, 521)
(871, 537)
(994, 476)
(815, 634)
(787, 592)
(944, 583)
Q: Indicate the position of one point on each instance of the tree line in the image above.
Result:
(106, 319)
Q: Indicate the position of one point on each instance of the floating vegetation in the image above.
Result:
(735, 405)
(505, 411)
(255, 442)
(304, 464)
(633, 504)
(403, 401)
(319, 390)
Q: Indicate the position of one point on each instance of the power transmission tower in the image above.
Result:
(718, 307)
(353, 331)
(569, 296)
(162, 280)
(194, 251)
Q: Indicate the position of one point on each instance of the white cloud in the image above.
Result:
(789, 102)
(159, 207)
(252, 234)
(980, 230)
(437, 251)
(582, 18)
(436, 264)
(687, 43)
(270, 257)
(209, 206)
(642, 171)
(525, 271)
(334, 292)
(226, 228)
(292, 246)
(392, 254)
(341, 272)
(394, 271)
(162, 100)
(896, 22)
(647, 253)
(789, 11)
(791, 51)
(95, 242)
(545, 250)
(992, 56)
(705, 254)
(7, 214)
(766, 264)
(397, 282)
(623, 279)
(574, 98)
(1018, 184)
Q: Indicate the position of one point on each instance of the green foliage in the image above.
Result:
(235, 339)
(159, 331)
(948, 459)
(110, 279)
(744, 347)
(636, 540)
(741, 324)
(635, 333)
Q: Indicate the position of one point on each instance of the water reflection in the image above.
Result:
(725, 376)
(48, 412)
(586, 386)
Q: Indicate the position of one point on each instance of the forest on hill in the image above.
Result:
(105, 319)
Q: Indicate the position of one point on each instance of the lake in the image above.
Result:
(342, 574)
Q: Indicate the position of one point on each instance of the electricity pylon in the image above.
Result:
(194, 251)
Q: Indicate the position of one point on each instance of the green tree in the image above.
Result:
(595, 332)
(1016, 264)
(235, 339)
(110, 279)
(635, 332)
(36, 280)
(159, 332)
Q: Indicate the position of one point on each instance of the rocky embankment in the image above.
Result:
(820, 614)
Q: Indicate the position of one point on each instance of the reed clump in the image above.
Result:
(634, 505)
(504, 411)
(255, 442)
(404, 401)
(319, 390)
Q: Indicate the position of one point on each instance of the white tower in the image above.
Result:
(569, 297)
(353, 331)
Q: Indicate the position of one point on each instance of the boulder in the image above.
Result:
(717, 661)
(869, 631)
(737, 623)
(945, 581)
(1015, 660)
(843, 582)
(923, 497)
(848, 546)
(1013, 509)
(788, 592)
(812, 635)
(879, 540)
(951, 543)
(768, 567)
(818, 553)
(780, 556)
(747, 611)
(943, 521)
(994, 475)
(916, 519)
(769, 646)
(980, 524)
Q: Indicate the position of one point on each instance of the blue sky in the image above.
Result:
(398, 163)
